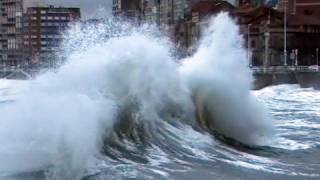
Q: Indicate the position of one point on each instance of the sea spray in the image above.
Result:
(220, 80)
(59, 122)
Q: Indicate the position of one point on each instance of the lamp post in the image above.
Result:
(285, 34)
(249, 45)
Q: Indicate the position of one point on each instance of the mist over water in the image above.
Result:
(123, 107)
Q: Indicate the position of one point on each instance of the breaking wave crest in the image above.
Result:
(121, 94)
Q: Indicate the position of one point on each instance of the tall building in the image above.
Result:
(130, 9)
(171, 11)
(166, 8)
(182, 9)
(43, 28)
(150, 11)
(10, 32)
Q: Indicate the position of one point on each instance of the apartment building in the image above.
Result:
(42, 31)
(129, 9)
(159, 11)
(11, 33)
(171, 11)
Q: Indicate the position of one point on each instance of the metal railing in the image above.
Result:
(285, 69)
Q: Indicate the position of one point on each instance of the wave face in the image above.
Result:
(122, 106)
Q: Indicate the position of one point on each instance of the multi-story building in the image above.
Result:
(10, 32)
(159, 11)
(171, 11)
(183, 9)
(130, 9)
(43, 28)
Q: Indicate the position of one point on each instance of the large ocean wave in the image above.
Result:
(122, 98)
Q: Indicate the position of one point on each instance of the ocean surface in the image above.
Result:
(181, 152)
(123, 107)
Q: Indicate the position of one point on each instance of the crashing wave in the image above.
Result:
(119, 94)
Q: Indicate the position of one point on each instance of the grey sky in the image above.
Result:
(89, 8)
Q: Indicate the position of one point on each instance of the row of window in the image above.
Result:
(54, 24)
(49, 12)
(47, 24)
(50, 18)
(44, 36)
(44, 43)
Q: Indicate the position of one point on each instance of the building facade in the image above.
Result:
(171, 11)
(263, 29)
(159, 11)
(128, 9)
(11, 12)
(42, 32)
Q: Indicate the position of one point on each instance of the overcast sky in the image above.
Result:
(89, 8)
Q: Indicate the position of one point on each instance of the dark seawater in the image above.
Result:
(122, 107)
(179, 151)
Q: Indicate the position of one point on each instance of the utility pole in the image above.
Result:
(285, 33)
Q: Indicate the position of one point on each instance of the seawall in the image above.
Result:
(304, 79)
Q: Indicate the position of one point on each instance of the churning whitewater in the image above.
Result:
(122, 106)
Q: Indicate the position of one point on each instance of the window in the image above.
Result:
(11, 43)
(43, 17)
(34, 17)
(56, 18)
(43, 12)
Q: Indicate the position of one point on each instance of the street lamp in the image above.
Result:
(249, 45)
